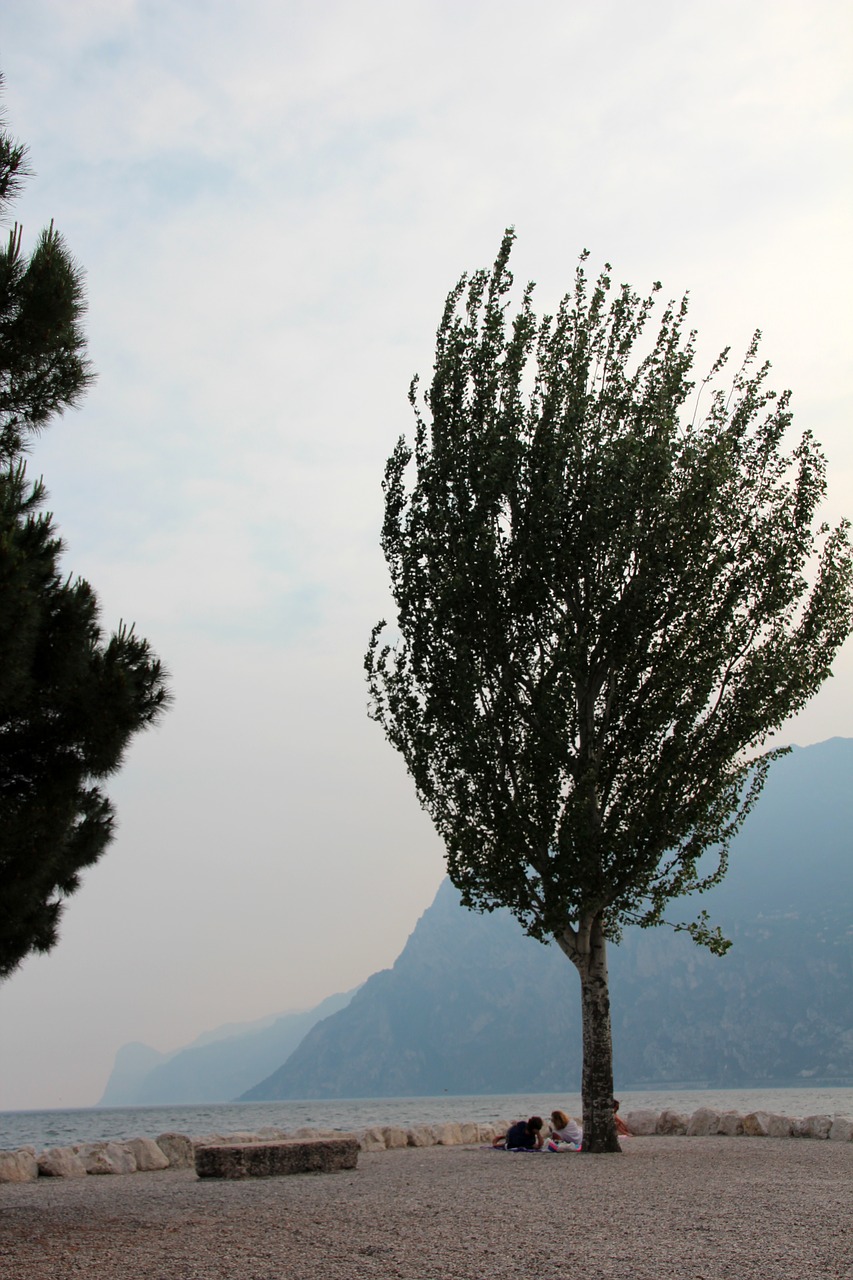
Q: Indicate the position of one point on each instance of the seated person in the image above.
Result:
(565, 1133)
(622, 1129)
(524, 1135)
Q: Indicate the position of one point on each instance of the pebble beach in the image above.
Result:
(666, 1209)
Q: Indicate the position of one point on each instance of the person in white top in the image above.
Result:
(565, 1134)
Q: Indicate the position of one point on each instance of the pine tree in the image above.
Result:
(70, 698)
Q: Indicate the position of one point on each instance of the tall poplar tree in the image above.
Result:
(609, 591)
(71, 699)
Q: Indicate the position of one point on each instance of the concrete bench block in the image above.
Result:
(271, 1159)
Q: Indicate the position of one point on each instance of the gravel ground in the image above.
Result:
(685, 1208)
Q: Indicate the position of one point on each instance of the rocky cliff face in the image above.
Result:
(474, 1006)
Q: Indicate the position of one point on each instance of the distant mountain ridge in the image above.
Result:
(474, 1006)
(217, 1066)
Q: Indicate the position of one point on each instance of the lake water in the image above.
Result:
(93, 1124)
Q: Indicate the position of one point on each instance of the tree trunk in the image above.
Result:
(589, 955)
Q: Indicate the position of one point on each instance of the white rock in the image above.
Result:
(395, 1137)
(107, 1157)
(306, 1134)
(486, 1133)
(703, 1123)
(816, 1126)
(470, 1135)
(755, 1124)
(371, 1140)
(18, 1166)
(61, 1162)
(420, 1135)
(671, 1123)
(642, 1122)
(841, 1130)
(147, 1154)
(448, 1135)
(730, 1124)
(767, 1124)
(178, 1150)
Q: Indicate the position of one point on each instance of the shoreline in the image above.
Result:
(178, 1150)
(63, 1127)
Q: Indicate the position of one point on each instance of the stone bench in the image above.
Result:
(271, 1159)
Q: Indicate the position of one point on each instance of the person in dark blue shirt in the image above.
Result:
(524, 1135)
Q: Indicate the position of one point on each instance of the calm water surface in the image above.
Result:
(60, 1128)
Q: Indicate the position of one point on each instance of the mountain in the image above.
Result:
(133, 1062)
(215, 1067)
(472, 1005)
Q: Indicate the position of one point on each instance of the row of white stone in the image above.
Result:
(139, 1155)
(176, 1150)
(756, 1124)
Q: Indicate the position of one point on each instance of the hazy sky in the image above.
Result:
(271, 200)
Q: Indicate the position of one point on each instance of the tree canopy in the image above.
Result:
(610, 589)
(71, 699)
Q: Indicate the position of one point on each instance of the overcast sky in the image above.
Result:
(271, 200)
